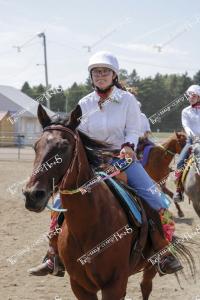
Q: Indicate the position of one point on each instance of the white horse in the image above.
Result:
(192, 181)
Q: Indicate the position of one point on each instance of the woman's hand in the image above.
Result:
(127, 152)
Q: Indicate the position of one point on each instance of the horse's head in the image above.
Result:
(180, 141)
(54, 151)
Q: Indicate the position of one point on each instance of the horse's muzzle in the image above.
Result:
(35, 199)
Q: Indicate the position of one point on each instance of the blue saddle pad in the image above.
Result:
(127, 199)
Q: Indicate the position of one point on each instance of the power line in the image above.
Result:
(153, 31)
(187, 27)
(155, 65)
(89, 47)
(19, 47)
(27, 66)
(63, 45)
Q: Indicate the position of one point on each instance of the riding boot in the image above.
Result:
(178, 195)
(166, 263)
(51, 262)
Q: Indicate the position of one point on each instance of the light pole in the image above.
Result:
(42, 35)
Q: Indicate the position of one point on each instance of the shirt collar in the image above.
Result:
(113, 94)
(196, 105)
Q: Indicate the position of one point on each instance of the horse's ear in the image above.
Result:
(177, 134)
(75, 118)
(43, 118)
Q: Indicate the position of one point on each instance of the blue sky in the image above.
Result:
(131, 29)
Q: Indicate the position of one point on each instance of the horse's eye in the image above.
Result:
(62, 144)
(65, 143)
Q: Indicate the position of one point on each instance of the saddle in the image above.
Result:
(150, 219)
(143, 150)
(127, 200)
(135, 212)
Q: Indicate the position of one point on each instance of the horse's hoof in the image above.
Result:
(181, 214)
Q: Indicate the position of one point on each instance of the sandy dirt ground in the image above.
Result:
(23, 245)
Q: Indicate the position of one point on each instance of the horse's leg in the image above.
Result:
(81, 293)
(169, 193)
(180, 212)
(115, 290)
(146, 284)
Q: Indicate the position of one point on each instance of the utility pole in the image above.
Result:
(42, 35)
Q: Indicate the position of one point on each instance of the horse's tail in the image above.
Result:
(183, 253)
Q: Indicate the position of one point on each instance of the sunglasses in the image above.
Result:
(101, 72)
(192, 94)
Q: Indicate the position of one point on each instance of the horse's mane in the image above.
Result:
(93, 147)
(173, 137)
(169, 139)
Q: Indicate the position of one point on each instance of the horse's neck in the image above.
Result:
(170, 145)
(80, 170)
(80, 214)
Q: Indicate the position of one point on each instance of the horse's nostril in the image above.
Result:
(39, 194)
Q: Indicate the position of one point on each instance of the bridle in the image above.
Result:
(169, 151)
(70, 168)
(166, 150)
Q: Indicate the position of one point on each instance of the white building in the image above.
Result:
(23, 111)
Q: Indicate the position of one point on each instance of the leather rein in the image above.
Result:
(76, 138)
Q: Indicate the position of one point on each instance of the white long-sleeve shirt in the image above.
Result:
(145, 125)
(117, 123)
(191, 120)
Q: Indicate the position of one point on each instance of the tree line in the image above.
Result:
(154, 93)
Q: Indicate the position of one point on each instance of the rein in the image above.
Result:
(86, 187)
(166, 150)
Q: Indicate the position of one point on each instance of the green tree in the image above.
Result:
(88, 85)
(58, 101)
(123, 75)
(133, 79)
(196, 78)
(26, 89)
(74, 94)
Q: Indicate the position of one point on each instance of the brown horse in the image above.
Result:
(160, 158)
(90, 218)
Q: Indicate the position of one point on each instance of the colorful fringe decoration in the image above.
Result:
(168, 224)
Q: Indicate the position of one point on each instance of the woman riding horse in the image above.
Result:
(191, 125)
(112, 115)
(145, 125)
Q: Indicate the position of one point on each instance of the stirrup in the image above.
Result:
(168, 265)
(58, 268)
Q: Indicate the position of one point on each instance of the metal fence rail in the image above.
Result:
(17, 146)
